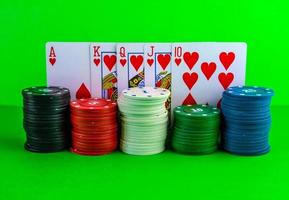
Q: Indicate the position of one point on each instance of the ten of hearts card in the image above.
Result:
(201, 71)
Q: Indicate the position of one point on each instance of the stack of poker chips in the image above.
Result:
(247, 120)
(196, 129)
(94, 126)
(144, 120)
(46, 118)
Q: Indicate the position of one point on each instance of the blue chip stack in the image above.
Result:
(247, 120)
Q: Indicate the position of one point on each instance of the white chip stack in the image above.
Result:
(144, 120)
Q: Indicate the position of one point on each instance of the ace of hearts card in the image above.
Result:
(68, 65)
(103, 70)
(130, 65)
(202, 71)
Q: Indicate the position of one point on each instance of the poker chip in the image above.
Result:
(94, 126)
(246, 120)
(46, 118)
(196, 129)
(143, 119)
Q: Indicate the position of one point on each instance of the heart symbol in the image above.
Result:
(178, 61)
(83, 92)
(122, 62)
(136, 61)
(164, 60)
(150, 61)
(52, 61)
(190, 79)
(189, 100)
(226, 79)
(191, 59)
(208, 69)
(227, 59)
(109, 61)
(96, 61)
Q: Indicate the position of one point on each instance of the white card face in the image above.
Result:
(130, 65)
(202, 71)
(67, 65)
(103, 70)
(158, 65)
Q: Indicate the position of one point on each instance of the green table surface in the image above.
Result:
(169, 175)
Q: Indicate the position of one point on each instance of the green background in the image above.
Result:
(25, 27)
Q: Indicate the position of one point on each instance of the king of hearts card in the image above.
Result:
(103, 70)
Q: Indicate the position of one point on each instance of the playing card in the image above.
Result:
(202, 71)
(103, 70)
(158, 65)
(67, 65)
(130, 65)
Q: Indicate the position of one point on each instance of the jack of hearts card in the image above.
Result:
(158, 65)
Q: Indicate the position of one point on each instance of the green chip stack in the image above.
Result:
(144, 120)
(196, 129)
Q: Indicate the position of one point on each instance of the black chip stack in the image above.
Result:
(46, 118)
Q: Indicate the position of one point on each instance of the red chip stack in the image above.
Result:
(94, 126)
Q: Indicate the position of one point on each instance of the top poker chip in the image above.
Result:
(45, 91)
(249, 91)
(196, 111)
(146, 93)
(93, 104)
